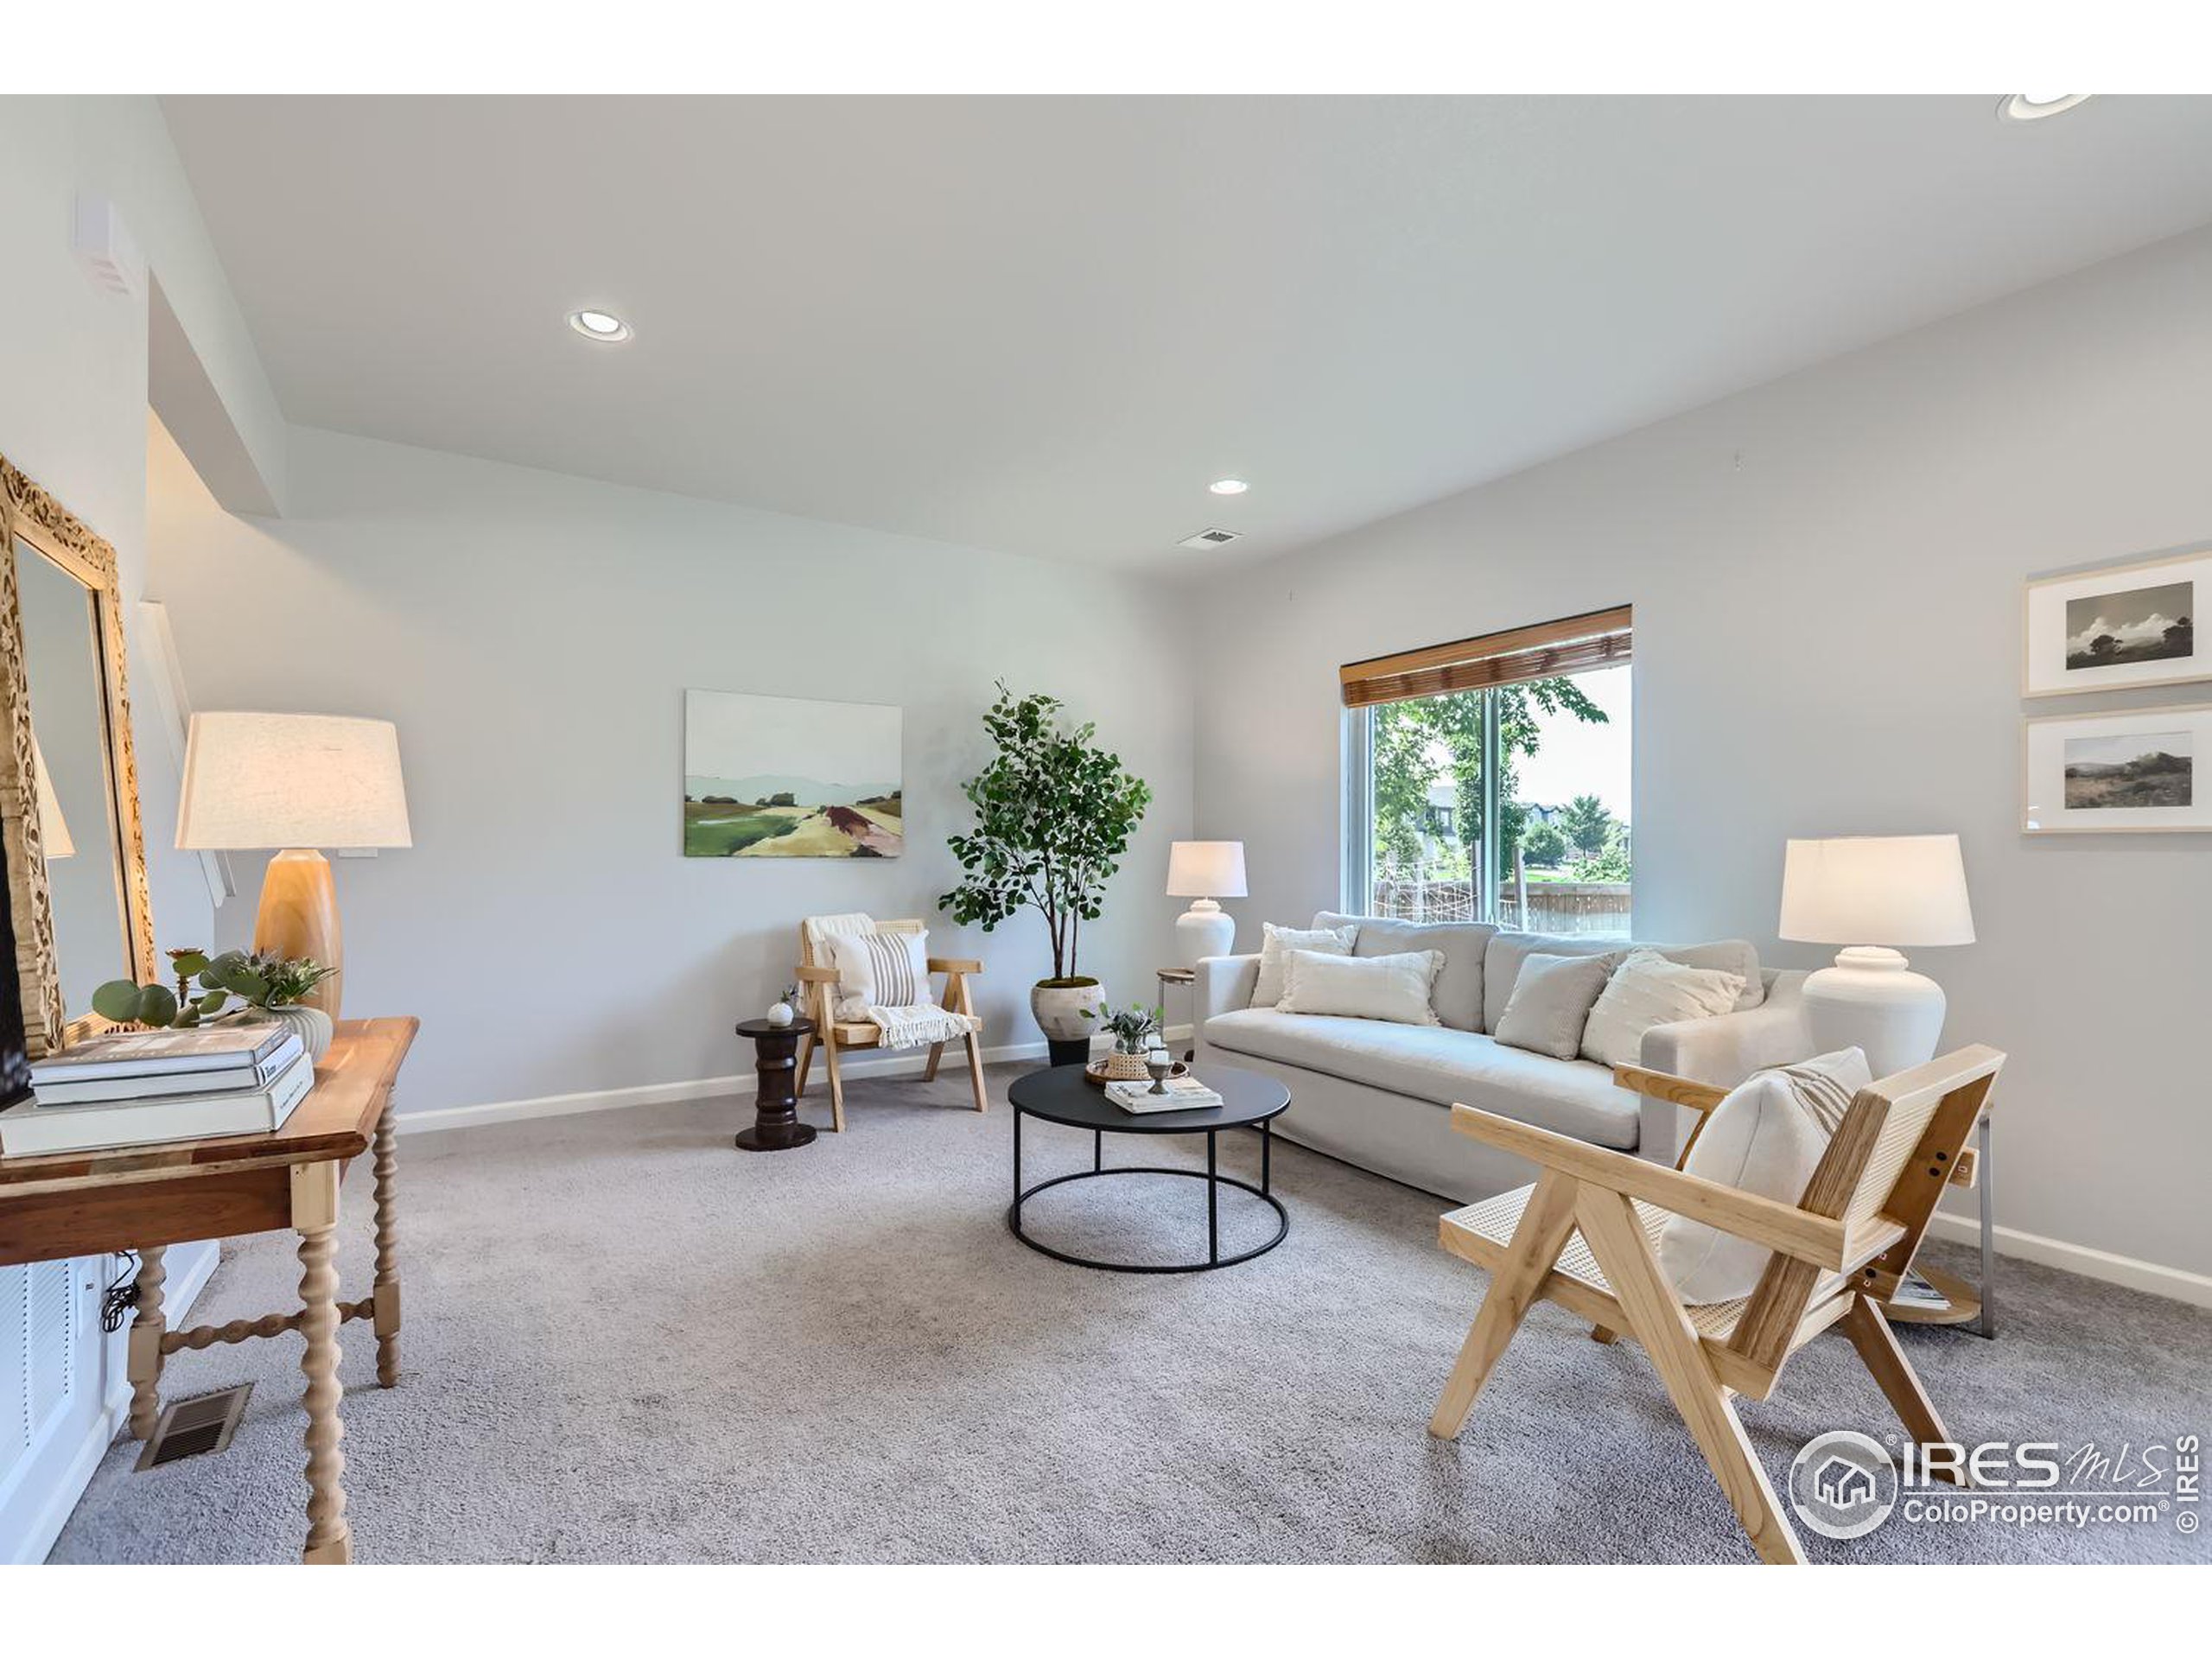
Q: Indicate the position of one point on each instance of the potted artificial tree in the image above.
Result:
(1053, 816)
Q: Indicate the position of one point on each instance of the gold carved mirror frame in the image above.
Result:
(28, 514)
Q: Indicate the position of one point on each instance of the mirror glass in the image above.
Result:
(84, 847)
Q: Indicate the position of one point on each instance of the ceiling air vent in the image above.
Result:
(1210, 538)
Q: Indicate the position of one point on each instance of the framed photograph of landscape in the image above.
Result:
(2100, 773)
(2126, 626)
(790, 778)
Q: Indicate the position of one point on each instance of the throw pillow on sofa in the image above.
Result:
(1550, 1003)
(1646, 990)
(1394, 988)
(1767, 1137)
(1273, 941)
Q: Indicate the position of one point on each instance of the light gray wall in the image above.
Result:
(72, 415)
(73, 372)
(1826, 573)
(532, 635)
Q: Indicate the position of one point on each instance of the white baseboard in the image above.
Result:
(661, 1094)
(2195, 1288)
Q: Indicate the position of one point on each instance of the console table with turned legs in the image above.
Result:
(145, 1198)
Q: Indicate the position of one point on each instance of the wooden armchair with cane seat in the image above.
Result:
(1585, 1236)
(835, 1036)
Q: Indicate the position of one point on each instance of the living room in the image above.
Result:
(819, 674)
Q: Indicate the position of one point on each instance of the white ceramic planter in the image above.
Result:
(1067, 1011)
(312, 1023)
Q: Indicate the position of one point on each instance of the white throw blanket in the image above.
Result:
(920, 1023)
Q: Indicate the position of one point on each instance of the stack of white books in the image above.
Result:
(1183, 1095)
(140, 1088)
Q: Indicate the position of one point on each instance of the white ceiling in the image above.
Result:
(1044, 325)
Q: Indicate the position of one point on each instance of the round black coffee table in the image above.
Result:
(1249, 1101)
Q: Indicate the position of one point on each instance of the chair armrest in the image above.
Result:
(954, 965)
(1662, 1085)
(1724, 1049)
(1781, 1227)
(817, 975)
(1223, 985)
(1659, 1130)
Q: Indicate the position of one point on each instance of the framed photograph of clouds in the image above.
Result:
(2124, 627)
(2097, 774)
(790, 778)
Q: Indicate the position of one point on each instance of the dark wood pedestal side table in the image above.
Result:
(776, 1127)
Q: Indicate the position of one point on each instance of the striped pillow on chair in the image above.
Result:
(880, 969)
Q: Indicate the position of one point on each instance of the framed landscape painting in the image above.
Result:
(2107, 629)
(2097, 774)
(790, 778)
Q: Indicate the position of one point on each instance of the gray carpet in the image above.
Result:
(625, 1341)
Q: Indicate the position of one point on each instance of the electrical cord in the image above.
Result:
(121, 1293)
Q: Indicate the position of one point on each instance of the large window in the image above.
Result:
(1488, 779)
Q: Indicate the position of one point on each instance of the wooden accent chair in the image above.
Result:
(834, 1036)
(1585, 1236)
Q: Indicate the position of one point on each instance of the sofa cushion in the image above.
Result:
(1457, 994)
(1439, 1066)
(1507, 951)
(1267, 990)
(1394, 988)
(1649, 989)
(1551, 1000)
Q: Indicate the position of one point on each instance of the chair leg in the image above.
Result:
(975, 1071)
(837, 1086)
(1877, 1343)
(1536, 1242)
(1655, 1318)
(937, 1053)
(806, 1060)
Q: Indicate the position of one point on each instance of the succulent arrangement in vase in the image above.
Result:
(264, 985)
(1131, 1027)
(1054, 813)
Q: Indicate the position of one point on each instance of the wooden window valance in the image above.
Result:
(1595, 639)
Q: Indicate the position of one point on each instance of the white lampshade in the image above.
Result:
(1206, 869)
(52, 829)
(291, 781)
(1884, 890)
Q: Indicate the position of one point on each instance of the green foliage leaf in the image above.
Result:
(1053, 817)
(156, 1006)
(117, 999)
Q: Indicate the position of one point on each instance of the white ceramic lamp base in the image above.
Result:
(1872, 1000)
(1205, 929)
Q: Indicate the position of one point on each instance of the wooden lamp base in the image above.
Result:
(299, 918)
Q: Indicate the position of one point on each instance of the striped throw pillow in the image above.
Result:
(885, 970)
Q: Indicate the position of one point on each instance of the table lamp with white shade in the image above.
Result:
(295, 783)
(1870, 894)
(1204, 871)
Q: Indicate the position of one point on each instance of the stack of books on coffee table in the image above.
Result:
(1179, 1095)
(141, 1088)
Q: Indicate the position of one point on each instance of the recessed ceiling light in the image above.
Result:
(599, 325)
(1229, 486)
(2034, 106)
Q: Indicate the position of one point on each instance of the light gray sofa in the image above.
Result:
(1379, 1095)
